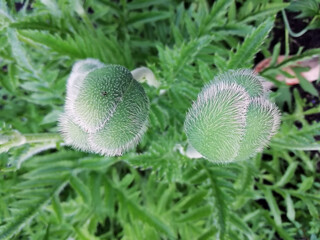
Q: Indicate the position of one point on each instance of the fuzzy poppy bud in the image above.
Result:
(232, 119)
(106, 109)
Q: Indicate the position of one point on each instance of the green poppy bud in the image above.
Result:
(79, 71)
(107, 111)
(246, 79)
(232, 120)
(262, 122)
(72, 134)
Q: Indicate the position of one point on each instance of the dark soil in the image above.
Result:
(311, 102)
(309, 40)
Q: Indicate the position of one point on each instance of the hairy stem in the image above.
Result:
(43, 137)
(16, 139)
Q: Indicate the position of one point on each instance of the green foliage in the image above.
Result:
(49, 191)
(250, 46)
(307, 8)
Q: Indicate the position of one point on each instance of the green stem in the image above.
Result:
(43, 137)
(293, 34)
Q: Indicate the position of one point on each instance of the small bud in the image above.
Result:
(232, 119)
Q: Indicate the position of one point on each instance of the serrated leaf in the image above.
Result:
(147, 17)
(306, 184)
(273, 206)
(287, 176)
(290, 207)
(305, 84)
(196, 214)
(310, 53)
(138, 4)
(81, 189)
(245, 53)
(266, 11)
(56, 205)
(15, 225)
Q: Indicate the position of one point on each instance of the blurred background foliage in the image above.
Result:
(49, 191)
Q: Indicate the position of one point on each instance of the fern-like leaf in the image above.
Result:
(245, 52)
(26, 209)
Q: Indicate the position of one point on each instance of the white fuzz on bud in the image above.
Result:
(106, 109)
(232, 119)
